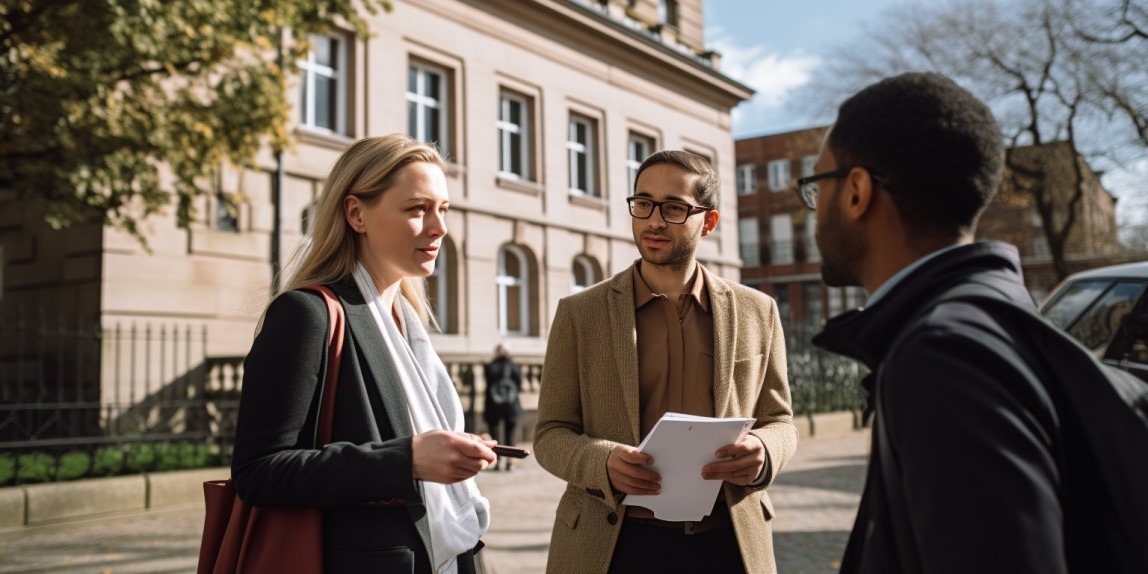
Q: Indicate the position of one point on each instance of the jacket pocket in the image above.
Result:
(766, 506)
(568, 511)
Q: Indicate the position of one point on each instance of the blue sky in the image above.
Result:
(774, 47)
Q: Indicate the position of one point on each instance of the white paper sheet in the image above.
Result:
(681, 445)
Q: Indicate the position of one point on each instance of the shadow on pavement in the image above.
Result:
(846, 478)
(809, 552)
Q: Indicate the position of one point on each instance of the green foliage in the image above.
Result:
(132, 458)
(96, 95)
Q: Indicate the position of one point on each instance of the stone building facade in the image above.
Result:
(544, 109)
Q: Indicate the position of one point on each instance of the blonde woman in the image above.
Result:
(396, 483)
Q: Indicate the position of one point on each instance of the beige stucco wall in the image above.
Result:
(204, 279)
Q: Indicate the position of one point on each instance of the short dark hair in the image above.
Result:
(936, 146)
(708, 187)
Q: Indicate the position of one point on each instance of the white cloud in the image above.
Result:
(772, 74)
(1130, 185)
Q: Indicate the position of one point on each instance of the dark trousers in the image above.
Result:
(502, 429)
(649, 548)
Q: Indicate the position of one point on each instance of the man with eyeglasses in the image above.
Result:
(664, 335)
(966, 471)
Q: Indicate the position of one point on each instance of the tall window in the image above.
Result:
(781, 233)
(808, 165)
(668, 12)
(439, 290)
(748, 242)
(638, 149)
(226, 212)
(427, 104)
(514, 136)
(812, 254)
(779, 175)
(580, 136)
(513, 291)
(323, 104)
(585, 273)
(746, 179)
(811, 298)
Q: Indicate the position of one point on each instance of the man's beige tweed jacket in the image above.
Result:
(589, 403)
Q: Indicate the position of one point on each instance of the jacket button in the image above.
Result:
(612, 518)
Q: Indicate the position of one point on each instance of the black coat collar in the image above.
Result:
(866, 334)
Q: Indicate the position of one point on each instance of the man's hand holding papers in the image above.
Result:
(681, 446)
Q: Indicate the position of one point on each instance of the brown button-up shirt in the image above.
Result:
(675, 351)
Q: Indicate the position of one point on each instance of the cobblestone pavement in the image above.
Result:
(816, 498)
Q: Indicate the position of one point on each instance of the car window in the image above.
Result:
(1072, 300)
(1095, 327)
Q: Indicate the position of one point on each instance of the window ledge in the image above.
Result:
(323, 138)
(520, 185)
(588, 201)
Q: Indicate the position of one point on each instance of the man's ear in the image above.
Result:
(710, 222)
(353, 211)
(858, 193)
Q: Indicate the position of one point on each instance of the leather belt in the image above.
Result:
(717, 519)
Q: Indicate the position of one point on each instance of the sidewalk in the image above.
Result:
(816, 498)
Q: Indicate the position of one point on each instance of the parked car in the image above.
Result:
(1106, 309)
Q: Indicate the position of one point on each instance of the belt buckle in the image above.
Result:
(689, 527)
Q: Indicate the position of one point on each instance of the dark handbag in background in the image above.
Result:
(241, 538)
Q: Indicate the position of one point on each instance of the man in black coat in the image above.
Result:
(976, 480)
(501, 406)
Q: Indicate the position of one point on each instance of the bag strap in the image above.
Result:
(326, 418)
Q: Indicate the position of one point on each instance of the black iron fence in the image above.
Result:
(820, 381)
(80, 400)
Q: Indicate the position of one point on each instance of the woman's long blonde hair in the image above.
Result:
(366, 170)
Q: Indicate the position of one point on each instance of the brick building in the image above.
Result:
(776, 232)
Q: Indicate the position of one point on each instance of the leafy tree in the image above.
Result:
(97, 95)
(1055, 71)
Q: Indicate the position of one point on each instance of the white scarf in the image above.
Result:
(457, 513)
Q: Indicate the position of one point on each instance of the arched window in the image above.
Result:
(513, 291)
(585, 273)
(442, 287)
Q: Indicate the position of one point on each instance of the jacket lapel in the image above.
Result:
(624, 333)
(722, 308)
(379, 369)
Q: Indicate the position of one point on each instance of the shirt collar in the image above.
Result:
(643, 294)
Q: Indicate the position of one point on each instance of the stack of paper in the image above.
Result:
(681, 445)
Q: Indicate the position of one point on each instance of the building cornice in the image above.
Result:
(588, 31)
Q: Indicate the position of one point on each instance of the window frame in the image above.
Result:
(309, 68)
(505, 282)
(634, 163)
(746, 247)
(781, 248)
(746, 179)
(506, 130)
(422, 101)
(779, 175)
(587, 150)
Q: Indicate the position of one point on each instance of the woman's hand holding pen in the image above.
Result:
(448, 457)
(627, 475)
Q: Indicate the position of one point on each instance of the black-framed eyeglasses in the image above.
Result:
(672, 211)
(807, 188)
